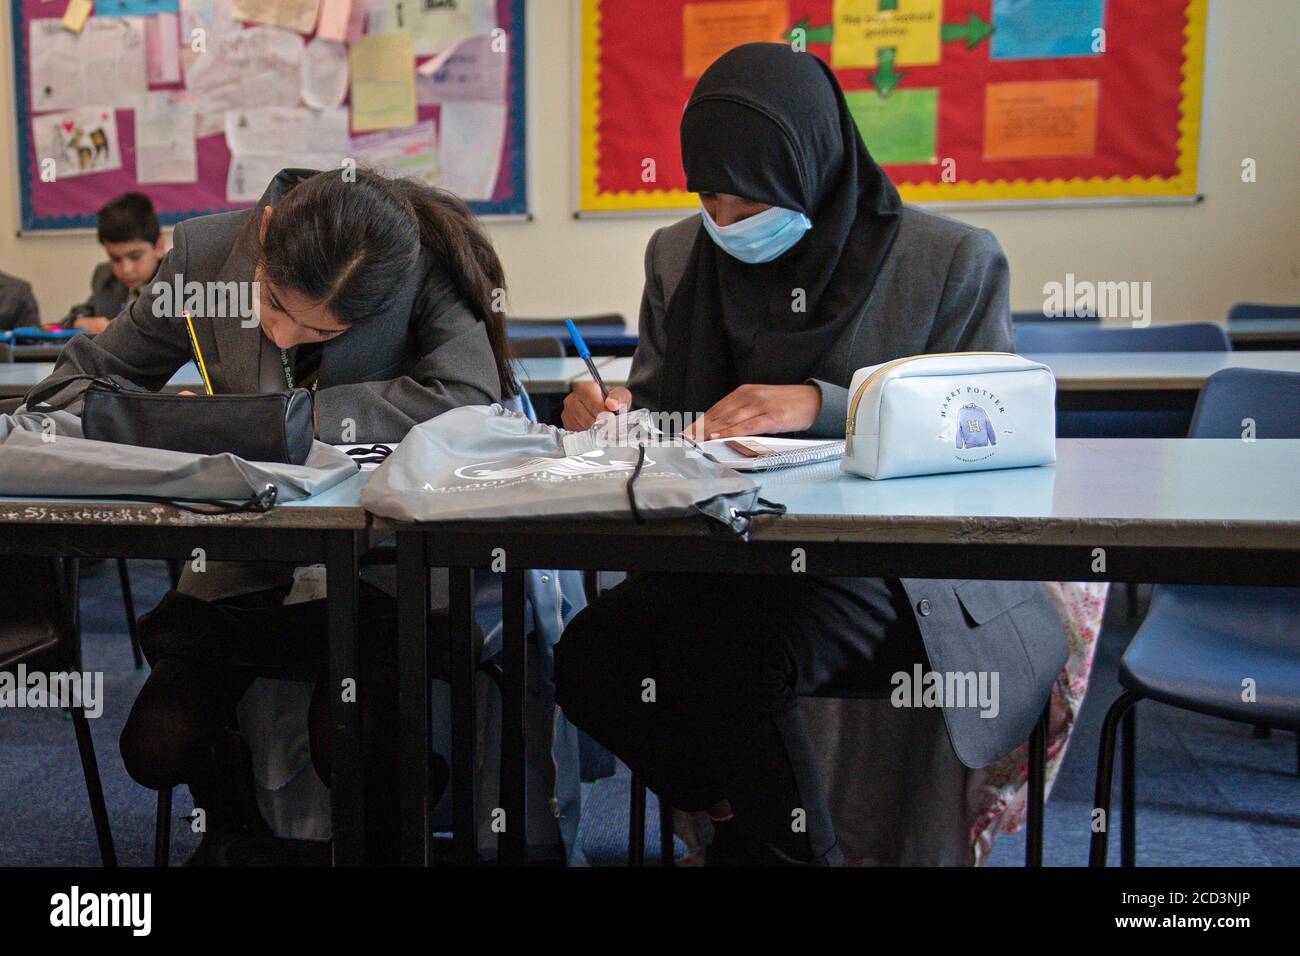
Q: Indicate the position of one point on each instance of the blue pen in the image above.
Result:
(585, 354)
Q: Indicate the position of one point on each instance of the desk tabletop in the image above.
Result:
(1109, 371)
(1273, 330)
(543, 375)
(335, 509)
(1175, 493)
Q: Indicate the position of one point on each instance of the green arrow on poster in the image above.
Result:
(886, 77)
(972, 31)
(822, 34)
(888, 5)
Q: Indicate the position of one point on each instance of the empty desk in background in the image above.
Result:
(1256, 335)
(603, 338)
(330, 528)
(1165, 510)
(18, 378)
(36, 353)
(1117, 381)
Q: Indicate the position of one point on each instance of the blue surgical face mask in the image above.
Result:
(759, 238)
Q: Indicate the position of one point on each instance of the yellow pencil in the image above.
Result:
(198, 355)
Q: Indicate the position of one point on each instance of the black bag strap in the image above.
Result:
(94, 380)
(258, 503)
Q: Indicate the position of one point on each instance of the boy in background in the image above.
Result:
(129, 232)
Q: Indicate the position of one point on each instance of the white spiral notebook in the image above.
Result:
(761, 453)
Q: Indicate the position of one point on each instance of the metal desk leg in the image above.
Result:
(1037, 784)
(464, 670)
(346, 791)
(414, 729)
(512, 847)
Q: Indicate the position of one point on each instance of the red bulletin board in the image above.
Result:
(960, 100)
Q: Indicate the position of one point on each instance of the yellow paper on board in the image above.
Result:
(862, 30)
(78, 12)
(296, 15)
(383, 82)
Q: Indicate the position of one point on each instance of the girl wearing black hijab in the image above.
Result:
(803, 266)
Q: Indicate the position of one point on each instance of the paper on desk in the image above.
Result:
(296, 15)
(474, 70)
(324, 73)
(213, 17)
(80, 141)
(383, 82)
(470, 137)
(164, 140)
(433, 26)
(261, 66)
(76, 15)
(411, 153)
(133, 8)
(162, 49)
(103, 65)
(333, 22)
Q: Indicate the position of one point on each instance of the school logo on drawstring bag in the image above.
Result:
(588, 465)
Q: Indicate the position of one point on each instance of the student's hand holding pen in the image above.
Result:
(584, 403)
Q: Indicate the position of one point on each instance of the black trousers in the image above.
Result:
(693, 682)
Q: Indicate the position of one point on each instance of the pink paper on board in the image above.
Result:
(356, 21)
(334, 18)
(162, 49)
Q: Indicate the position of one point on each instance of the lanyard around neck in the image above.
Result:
(289, 377)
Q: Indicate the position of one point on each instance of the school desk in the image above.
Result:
(1198, 511)
(1116, 381)
(330, 528)
(1264, 334)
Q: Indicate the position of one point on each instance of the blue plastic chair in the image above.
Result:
(1126, 418)
(1038, 337)
(1197, 641)
(1256, 310)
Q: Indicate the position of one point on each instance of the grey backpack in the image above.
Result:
(483, 462)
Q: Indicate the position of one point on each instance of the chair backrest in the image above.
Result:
(1257, 310)
(1042, 337)
(1019, 317)
(37, 616)
(539, 346)
(1270, 399)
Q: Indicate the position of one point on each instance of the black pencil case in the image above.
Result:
(273, 427)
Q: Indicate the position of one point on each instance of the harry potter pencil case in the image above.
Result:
(962, 411)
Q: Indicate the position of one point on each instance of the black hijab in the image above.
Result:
(771, 125)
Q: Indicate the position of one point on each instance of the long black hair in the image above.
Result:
(347, 244)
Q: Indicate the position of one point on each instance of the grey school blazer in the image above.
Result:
(943, 288)
(384, 375)
(107, 296)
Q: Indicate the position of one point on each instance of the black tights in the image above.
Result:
(181, 730)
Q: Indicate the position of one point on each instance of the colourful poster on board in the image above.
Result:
(960, 100)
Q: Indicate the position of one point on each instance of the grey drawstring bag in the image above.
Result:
(483, 462)
(43, 455)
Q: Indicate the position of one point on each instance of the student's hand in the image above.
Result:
(583, 404)
(94, 324)
(760, 410)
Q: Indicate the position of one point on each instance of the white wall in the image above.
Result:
(1240, 244)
